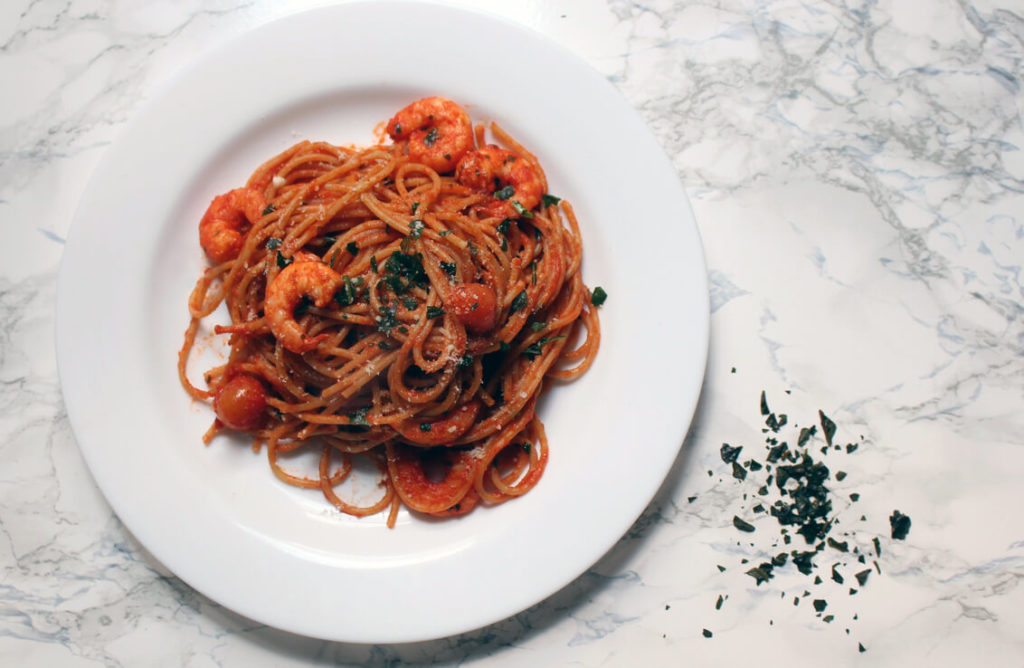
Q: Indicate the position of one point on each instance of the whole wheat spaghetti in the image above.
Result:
(406, 302)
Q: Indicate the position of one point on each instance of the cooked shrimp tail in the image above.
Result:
(438, 131)
(223, 226)
(300, 280)
(514, 185)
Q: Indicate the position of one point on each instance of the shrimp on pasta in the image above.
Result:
(406, 302)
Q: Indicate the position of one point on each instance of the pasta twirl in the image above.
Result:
(406, 302)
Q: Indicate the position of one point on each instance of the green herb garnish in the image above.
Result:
(547, 200)
(434, 312)
(352, 248)
(519, 302)
(899, 525)
(521, 210)
(728, 453)
(388, 318)
(534, 349)
(358, 418)
(505, 192)
(431, 137)
(828, 427)
(741, 524)
(598, 296)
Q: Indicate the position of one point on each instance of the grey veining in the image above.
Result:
(856, 172)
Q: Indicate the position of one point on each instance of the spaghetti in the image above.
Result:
(406, 302)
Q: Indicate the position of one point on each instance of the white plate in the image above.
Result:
(216, 516)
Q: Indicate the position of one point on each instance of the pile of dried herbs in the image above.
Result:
(792, 483)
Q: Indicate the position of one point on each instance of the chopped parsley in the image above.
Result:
(534, 349)
(373, 264)
(741, 524)
(794, 486)
(424, 426)
(403, 271)
(828, 427)
(538, 326)
(505, 192)
(431, 137)
(273, 243)
(415, 205)
(549, 200)
(465, 361)
(416, 228)
(448, 268)
(358, 418)
(519, 302)
(899, 524)
(352, 248)
(346, 296)
(598, 296)
(269, 210)
(388, 318)
(521, 210)
(729, 454)
(282, 261)
(504, 225)
(434, 312)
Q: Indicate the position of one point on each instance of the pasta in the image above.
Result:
(405, 302)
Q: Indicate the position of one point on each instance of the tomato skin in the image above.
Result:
(475, 305)
(240, 403)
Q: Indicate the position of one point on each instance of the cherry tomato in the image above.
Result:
(475, 305)
(240, 402)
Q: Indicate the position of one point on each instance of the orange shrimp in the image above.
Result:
(223, 226)
(301, 279)
(439, 132)
(508, 178)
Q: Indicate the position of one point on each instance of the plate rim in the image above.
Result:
(84, 425)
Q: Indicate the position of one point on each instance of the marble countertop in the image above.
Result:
(855, 172)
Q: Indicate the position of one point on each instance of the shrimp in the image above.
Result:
(300, 279)
(221, 230)
(510, 180)
(439, 132)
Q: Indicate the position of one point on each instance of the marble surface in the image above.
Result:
(856, 175)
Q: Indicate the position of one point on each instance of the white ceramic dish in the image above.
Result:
(216, 516)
